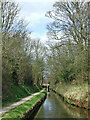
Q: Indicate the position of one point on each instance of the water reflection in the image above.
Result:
(54, 107)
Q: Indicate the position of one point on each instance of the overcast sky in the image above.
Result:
(33, 11)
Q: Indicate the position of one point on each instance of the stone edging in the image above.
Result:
(32, 112)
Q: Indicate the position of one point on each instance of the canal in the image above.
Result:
(55, 107)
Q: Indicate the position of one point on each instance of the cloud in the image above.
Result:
(34, 13)
(37, 22)
(43, 38)
(34, 18)
(44, 1)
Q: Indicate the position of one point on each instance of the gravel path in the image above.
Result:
(6, 109)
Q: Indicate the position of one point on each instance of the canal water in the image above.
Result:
(55, 107)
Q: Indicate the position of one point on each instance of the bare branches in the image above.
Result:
(9, 12)
(71, 19)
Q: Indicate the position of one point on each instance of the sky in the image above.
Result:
(33, 11)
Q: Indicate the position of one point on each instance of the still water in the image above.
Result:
(55, 107)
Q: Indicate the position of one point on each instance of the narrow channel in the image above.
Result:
(55, 107)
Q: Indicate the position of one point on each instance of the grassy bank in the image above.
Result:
(16, 93)
(20, 110)
(74, 94)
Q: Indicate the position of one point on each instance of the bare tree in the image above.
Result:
(70, 21)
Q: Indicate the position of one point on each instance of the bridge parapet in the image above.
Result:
(46, 85)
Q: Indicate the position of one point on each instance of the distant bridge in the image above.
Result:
(46, 85)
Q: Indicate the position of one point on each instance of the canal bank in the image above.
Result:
(73, 94)
(27, 109)
(30, 114)
(55, 107)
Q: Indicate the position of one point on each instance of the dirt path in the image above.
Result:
(6, 109)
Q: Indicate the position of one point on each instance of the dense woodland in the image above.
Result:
(22, 57)
(28, 61)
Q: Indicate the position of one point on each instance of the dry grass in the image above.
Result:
(75, 92)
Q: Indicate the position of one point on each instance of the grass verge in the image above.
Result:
(20, 110)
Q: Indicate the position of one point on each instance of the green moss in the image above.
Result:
(17, 93)
(20, 110)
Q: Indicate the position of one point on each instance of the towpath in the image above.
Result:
(6, 109)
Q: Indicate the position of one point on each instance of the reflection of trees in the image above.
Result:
(75, 112)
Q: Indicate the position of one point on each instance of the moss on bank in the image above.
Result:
(16, 93)
(74, 94)
(19, 111)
